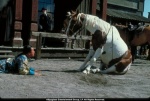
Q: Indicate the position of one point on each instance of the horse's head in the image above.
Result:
(73, 23)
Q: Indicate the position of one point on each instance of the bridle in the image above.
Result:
(78, 31)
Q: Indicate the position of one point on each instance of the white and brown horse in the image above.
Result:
(127, 35)
(106, 44)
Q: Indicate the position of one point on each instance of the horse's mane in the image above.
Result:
(79, 17)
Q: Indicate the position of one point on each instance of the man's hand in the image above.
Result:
(37, 71)
(37, 74)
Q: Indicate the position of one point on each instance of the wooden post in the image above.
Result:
(34, 11)
(38, 46)
(104, 9)
(73, 44)
(94, 4)
(17, 40)
(18, 10)
(34, 18)
(66, 42)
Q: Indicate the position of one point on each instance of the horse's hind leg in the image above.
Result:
(103, 66)
(122, 66)
(109, 70)
(118, 68)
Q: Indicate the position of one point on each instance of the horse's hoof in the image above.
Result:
(94, 70)
(85, 72)
(98, 70)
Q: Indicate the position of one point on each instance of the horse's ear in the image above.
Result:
(68, 14)
(73, 13)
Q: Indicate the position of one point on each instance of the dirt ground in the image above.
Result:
(61, 81)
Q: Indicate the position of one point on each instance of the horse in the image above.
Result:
(132, 39)
(142, 37)
(106, 44)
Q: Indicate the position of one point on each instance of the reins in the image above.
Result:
(79, 30)
(112, 44)
(83, 26)
(75, 34)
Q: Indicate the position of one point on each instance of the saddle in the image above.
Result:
(131, 27)
(137, 29)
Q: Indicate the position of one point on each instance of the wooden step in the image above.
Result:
(7, 56)
(5, 51)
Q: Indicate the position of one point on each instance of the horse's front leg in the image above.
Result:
(87, 59)
(93, 59)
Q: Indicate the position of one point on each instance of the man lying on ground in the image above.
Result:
(19, 64)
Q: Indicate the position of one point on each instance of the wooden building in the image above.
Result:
(126, 11)
(20, 17)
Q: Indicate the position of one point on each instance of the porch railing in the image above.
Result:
(39, 36)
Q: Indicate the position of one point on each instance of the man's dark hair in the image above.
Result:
(27, 49)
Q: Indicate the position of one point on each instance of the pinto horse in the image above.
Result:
(127, 35)
(106, 44)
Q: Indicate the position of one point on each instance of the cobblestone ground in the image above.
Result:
(61, 81)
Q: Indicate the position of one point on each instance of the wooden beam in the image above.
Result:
(104, 9)
(18, 11)
(94, 5)
(5, 51)
(34, 11)
(61, 36)
(6, 56)
(38, 47)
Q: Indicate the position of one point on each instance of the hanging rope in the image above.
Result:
(112, 45)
